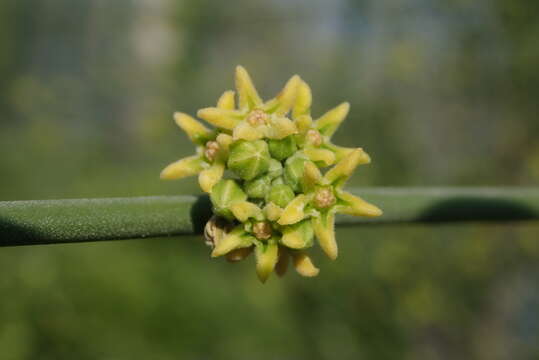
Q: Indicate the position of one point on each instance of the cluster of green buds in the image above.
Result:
(261, 165)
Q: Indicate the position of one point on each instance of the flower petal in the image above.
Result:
(197, 132)
(303, 264)
(272, 211)
(239, 254)
(244, 210)
(311, 177)
(280, 127)
(356, 206)
(293, 212)
(324, 229)
(245, 131)
(303, 100)
(346, 166)
(188, 166)
(227, 101)
(226, 119)
(236, 239)
(248, 96)
(323, 157)
(298, 236)
(330, 121)
(209, 177)
(266, 258)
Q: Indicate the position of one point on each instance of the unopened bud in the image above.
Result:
(249, 159)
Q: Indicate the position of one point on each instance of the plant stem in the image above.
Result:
(66, 221)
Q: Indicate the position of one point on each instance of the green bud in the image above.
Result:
(223, 194)
(293, 171)
(282, 149)
(278, 181)
(249, 159)
(280, 195)
(275, 169)
(299, 235)
(258, 188)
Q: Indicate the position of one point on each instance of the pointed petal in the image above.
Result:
(341, 152)
(197, 132)
(282, 262)
(244, 210)
(298, 236)
(311, 177)
(346, 166)
(303, 264)
(227, 101)
(245, 131)
(356, 206)
(287, 96)
(330, 121)
(224, 141)
(280, 127)
(239, 254)
(324, 229)
(272, 211)
(236, 239)
(323, 157)
(226, 119)
(188, 166)
(293, 212)
(303, 100)
(209, 177)
(248, 96)
(266, 259)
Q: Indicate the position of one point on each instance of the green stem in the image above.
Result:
(66, 221)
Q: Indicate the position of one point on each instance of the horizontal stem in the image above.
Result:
(65, 221)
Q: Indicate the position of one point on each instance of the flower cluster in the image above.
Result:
(274, 200)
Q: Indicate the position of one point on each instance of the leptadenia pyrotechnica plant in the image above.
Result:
(261, 165)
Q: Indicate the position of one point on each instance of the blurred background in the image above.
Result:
(442, 93)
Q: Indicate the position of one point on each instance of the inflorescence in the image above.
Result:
(274, 200)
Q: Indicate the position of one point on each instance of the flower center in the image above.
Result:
(324, 198)
(262, 230)
(314, 137)
(257, 117)
(211, 150)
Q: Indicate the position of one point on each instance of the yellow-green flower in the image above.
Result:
(275, 200)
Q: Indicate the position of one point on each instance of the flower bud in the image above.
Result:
(298, 236)
(282, 149)
(249, 159)
(293, 171)
(224, 194)
(258, 188)
(280, 195)
(275, 169)
(266, 258)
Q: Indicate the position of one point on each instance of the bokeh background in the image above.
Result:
(442, 93)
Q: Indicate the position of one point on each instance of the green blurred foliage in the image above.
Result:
(442, 93)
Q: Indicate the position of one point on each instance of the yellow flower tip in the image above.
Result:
(346, 166)
(293, 212)
(272, 211)
(182, 168)
(227, 101)
(209, 177)
(303, 123)
(221, 118)
(330, 121)
(248, 96)
(304, 266)
(193, 128)
(324, 229)
(245, 131)
(303, 100)
(323, 157)
(356, 206)
(266, 259)
(287, 96)
(280, 127)
(233, 240)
